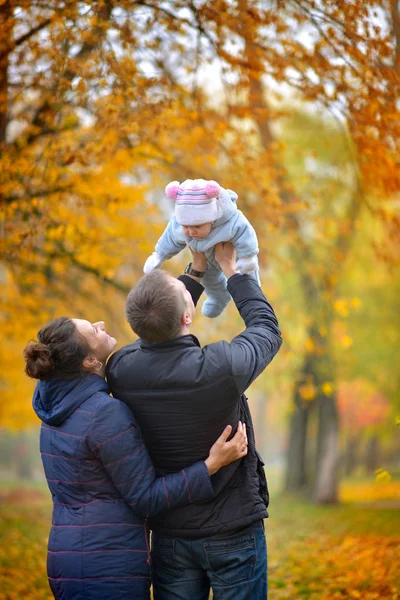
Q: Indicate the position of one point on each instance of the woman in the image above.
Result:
(98, 470)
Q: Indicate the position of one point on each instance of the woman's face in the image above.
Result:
(100, 343)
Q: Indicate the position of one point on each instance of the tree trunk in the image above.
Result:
(350, 457)
(22, 456)
(326, 475)
(296, 465)
(296, 476)
(296, 472)
(325, 485)
(326, 480)
(372, 455)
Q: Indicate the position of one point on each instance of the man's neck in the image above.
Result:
(185, 330)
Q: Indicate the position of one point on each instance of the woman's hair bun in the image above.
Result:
(39, 363)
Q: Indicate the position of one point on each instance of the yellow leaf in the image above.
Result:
(309, 345)
(307, 391)
(346, 341)
(356, 302)
(383, 476)
(341, 307)
(327, 388)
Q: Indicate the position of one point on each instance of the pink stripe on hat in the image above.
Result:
(195, 200)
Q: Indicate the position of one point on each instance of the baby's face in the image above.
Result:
(197, 232)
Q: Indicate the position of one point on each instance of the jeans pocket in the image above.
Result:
(163, 568)
(232, 559)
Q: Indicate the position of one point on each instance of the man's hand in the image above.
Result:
(199, 263)
(223, 453)
(225, 255)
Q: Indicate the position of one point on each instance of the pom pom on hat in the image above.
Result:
(172, 189)
(212, 189)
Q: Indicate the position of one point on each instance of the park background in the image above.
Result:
(295, 105)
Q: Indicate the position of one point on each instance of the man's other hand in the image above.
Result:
(225, 255)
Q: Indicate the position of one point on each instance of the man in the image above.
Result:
(182, 396)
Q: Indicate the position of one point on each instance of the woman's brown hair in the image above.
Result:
(60, 350)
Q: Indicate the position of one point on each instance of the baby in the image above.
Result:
(205, 214)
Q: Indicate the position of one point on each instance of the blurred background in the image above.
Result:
(293, 104)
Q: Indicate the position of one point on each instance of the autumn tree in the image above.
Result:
(101, 102)
(361, 408)
(337, 62)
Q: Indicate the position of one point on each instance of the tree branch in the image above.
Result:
(69, 74)
(23, 38)
(93, 271)
(36, 194)
(34, 267)
(332, 45)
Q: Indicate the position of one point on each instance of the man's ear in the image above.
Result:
(186, 319)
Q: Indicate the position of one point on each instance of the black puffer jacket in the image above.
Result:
(183, 396)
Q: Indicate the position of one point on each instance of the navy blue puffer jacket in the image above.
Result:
(103, 486)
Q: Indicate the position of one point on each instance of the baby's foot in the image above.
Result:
(212, 308)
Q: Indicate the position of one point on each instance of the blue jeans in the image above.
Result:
(234, 565)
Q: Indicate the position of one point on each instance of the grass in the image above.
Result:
(327, 553)
(316, 553)
(25, 514)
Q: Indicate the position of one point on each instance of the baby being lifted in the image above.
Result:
(206, 214)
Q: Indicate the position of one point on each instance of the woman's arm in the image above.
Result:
(116, 440)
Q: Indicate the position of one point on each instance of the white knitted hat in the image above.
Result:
(195, 201)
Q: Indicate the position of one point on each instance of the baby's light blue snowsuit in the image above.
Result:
(230, 226)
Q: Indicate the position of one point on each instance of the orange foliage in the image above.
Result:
(102, 102)
(361, 405)
(319, 554)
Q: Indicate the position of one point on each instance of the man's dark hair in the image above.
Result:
(154, 308)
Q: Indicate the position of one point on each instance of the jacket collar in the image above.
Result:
(186, 341)
(56, 398)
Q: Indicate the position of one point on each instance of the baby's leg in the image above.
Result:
(214, 282)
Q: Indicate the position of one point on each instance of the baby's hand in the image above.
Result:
(153, 262)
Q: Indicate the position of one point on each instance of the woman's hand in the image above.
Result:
(223, 453)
